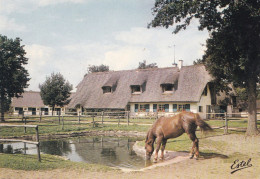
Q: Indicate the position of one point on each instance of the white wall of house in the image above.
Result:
(37, 111)
(202, 105)
(204, 102)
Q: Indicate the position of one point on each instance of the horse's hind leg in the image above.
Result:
(158, 142)
(162, 148)
(195, 146)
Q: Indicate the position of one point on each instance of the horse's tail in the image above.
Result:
(202, 124)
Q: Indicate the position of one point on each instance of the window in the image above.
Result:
(200, 109)
(136, 107)
(136, 89)
(175, 108)
(154, 107)
(166, 107)
(128, 107)
(147, 108)
(187, 107)
(184, 107)
(163, 107)
(107, 89)
(167, 87)
(180, 107)
(144, 107)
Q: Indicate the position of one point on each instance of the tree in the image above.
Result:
(100, 68)
(13, 75)
(55, 91)
(232, 54)
(142, 65)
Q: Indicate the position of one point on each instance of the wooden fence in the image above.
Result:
(37, 143)
(227, 119)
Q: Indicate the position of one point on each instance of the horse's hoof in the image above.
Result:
(191, 156)
(155, 161)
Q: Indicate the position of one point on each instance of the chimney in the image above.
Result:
(180, 64)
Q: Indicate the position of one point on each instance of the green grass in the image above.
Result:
(30, 162)
(69, 127)
(239, 123)
(51, 125)
(184, 144)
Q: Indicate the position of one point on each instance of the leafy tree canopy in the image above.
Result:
(96, 68)
(13, 75)
(55, 91)
(232, 54)
(143, 65)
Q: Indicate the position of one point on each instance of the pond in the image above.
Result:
(110, 151)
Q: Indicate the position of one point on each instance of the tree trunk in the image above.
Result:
(252, 119)
(2, 109)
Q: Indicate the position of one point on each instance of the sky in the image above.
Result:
(66, 36)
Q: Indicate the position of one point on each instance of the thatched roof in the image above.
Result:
(31, 99)
(191, 83)
(28, 99)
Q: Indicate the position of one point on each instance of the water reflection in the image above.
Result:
(55, 147)
(8, 149)
(111, 151)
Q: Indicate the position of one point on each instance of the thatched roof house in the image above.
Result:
(117, 89)
(28, 99)
(31, 103)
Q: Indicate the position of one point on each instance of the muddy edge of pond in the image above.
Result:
(85, 133)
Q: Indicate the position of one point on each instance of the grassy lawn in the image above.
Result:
(184, 144)
(51, 125)
(45, 129)
(30, 162)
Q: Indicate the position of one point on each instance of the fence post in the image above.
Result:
(118, 120)
(25, 124)
(59, 118)
(22, 116)
(38, 145)
(226, 124)
(79, 118)
(128, 116)
(102, 117)
(24, 146)
(41, 116)
(93, 121)
(62, 122)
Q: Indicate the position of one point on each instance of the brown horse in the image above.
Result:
(171, 127)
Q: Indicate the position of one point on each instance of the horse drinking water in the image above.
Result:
(171, 127)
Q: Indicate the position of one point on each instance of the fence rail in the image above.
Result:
(123, 117)
(37, 142)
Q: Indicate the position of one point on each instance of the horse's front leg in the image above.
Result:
(162, 148)
(158, 145)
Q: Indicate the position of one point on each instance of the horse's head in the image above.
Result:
(149, 145)
(149, 149)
